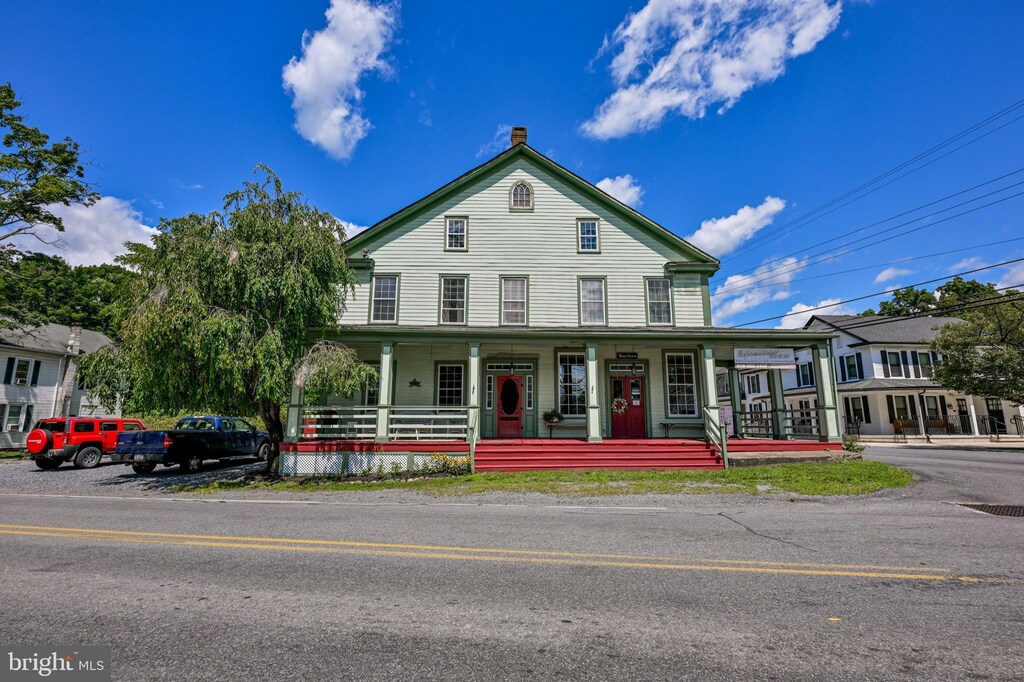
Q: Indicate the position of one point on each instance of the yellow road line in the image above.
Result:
(475, 550)
(141, 538)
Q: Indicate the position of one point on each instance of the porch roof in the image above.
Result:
(887, 385)
(714, 336)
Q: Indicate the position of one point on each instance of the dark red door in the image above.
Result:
(629, 412)
(510, 407)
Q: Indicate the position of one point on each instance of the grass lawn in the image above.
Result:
(12, 454)
(843, 477)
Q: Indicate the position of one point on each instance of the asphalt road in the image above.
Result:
(900, 585)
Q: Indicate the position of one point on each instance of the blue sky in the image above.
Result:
(771, 112)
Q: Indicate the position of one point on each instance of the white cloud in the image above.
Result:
(1012, 276)
(801, 312)
(719, 236)
(740, 293)
(624, 188)
(891, 273)
(682, 56)
(324, 82)
(501, 141)
(970, 263)
(351, 229)
(92, 234)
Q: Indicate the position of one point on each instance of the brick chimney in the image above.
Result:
(518, 135)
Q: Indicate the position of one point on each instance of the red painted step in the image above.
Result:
(551, 454)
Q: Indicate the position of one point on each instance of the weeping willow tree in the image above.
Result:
(219, 320)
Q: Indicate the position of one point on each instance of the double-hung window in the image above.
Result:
(588, 238)
(453, 300)
(455, 234)
(572, 384)
(513, 300)
(924, 359)
(680, 379)
(15, 414)
(384, 307)
(371, 391)
(851, 368)
(659, 300)
(805, 374)
(449, 385)
(592, 301)
(892, 365)
(753, 383)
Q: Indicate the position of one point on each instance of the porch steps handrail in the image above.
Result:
(714, 434)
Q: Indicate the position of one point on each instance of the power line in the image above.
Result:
(880, 293)
(813, 215)
(876, 265)
(799, 266)
(958, 308)
(900, 215)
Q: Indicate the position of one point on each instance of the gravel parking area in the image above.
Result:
(23, 476)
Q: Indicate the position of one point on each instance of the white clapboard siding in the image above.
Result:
(540, 244)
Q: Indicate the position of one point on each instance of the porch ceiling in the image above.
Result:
(722, 338)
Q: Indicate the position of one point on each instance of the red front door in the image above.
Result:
(629, 413)
(510, 407)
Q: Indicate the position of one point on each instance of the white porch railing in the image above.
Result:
(403, 423)
(324, 422)
(427, 423)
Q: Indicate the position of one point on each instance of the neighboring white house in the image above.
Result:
(884, 375)
(39, 365)
(520, 288)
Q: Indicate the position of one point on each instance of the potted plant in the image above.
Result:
(552, 417)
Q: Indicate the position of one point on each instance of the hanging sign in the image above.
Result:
(764, 358)
(626, 356)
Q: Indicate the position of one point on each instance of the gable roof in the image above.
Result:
(883, 329)
(52, 338)
(561, 173)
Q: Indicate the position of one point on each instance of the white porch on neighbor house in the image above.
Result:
(467, 385)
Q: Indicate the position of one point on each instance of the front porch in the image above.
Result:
(636, 398)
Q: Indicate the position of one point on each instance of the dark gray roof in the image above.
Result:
(51, 338)
(887, 385)
(884, 329)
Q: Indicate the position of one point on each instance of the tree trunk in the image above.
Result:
(270, 413)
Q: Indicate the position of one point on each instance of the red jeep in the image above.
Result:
(83, 440)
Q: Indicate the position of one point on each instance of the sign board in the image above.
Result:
(626, 356)
(764, 358)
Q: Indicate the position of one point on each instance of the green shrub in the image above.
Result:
(851, 443)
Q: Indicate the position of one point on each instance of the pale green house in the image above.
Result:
(520, 288)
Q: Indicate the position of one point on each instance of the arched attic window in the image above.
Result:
(521, 196)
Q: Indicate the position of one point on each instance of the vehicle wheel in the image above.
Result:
(191, 464)
(264, 452)
(143, 468)
(88, 458)
(48, 464)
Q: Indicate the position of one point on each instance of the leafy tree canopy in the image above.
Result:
(220, 315)
(35, 174)
(53, 291)
(985, 356)
(911, 300)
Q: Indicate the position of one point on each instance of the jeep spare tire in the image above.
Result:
(39, 441)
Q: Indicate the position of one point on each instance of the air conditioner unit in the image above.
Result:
(13, 427)
(20, 382)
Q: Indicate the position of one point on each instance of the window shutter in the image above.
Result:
(885, 366)
(891, 406)
(913, 407)
(942, 406)
(906, 364)
(842, 369)
(28, 418)
(846, 404)
(867, 412)
(35, 371)
(3, 416)
(9, 374)
(860, 367)
(917, 364)
(810, 367)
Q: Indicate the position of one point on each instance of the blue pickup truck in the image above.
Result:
(192, 441)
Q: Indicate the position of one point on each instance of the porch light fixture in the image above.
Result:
(366, 254)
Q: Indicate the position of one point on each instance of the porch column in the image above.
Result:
(736, 398)
(825, 389)
(973, 411)
(593, 398)
(384, 392)
(473, 415)
(707, 371)
(779, 424)
(295, 409)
